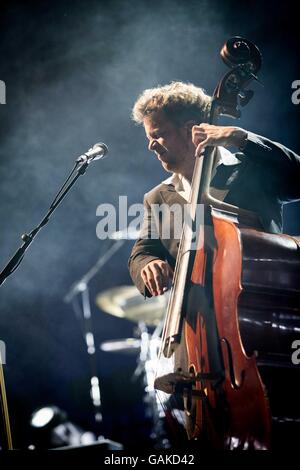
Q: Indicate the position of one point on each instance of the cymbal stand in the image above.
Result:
(147, 364)
(84, 313)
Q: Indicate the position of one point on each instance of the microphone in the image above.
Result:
(97, 152)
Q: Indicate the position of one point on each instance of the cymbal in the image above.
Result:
(128, 345)
(127, 302)
(128, 233)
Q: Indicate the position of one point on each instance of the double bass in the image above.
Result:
(237, 278)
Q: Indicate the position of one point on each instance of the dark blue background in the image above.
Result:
(73, 71)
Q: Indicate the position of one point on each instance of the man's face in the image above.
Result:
(171, 144)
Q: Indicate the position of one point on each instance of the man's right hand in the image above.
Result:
(156, 276)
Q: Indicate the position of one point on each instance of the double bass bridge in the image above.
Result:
(182, 384)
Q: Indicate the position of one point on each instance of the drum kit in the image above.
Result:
(125, 302)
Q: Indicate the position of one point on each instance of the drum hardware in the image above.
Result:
(147, 368)
(126, 302)
(82, 310)
(126, 346)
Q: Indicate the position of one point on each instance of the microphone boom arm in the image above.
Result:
(28, 238)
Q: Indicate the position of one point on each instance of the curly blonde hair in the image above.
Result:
(181, 102)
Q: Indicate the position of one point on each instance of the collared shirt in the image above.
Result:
(183, 186)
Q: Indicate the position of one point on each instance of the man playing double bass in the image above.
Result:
(260, 176)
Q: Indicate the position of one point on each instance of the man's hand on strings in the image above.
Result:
(157, 276)
(209, 135)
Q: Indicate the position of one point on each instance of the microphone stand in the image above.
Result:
(28, 238)
(79, 168)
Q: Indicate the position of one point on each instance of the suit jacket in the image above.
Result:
(260, 178)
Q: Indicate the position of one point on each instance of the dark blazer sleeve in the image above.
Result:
(277, 162)
(147, 248)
